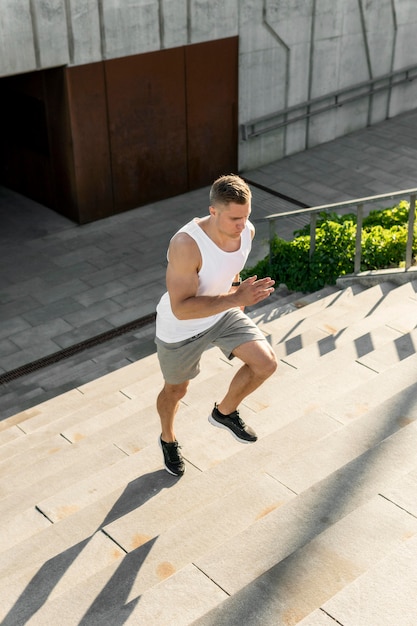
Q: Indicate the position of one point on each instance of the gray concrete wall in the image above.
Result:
(290, 51)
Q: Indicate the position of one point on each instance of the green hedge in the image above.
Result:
(384, 237)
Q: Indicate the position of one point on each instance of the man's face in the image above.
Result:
(230, 220)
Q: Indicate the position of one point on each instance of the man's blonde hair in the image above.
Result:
(229, 188)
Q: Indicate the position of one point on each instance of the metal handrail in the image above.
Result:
(357, 205)
(266, 123)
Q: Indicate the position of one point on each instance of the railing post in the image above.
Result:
(271, 225)
(358, 242)
(313, 224)
(410, 233)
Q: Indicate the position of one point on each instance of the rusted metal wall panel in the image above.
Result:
(212, 104)
(147, 124)
(91, 148)
(102, 138)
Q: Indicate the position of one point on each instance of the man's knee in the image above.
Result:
(259, 357)
(176, 391)
(270, 364)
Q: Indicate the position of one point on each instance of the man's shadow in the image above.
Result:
(116, 591)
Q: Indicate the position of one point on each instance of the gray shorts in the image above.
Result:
(180, 361)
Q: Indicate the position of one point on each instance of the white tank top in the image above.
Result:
(218, 269)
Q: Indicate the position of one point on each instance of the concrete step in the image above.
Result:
(252, 565)
(297, 585)
(71, 459)
(48, 382)
(179, 499)
(115, 417)
(75, 399)
(387, 589)
(344, 312)
(49, 428)
(279, 573)
(333, 347)
(386, 592)
(317, 341)
(327, 308)
(277, 305)
(369, 394)
(12, 433)
(391, 352)
(36, 449)
(99, 533)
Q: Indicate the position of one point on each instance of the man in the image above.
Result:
(203, 306)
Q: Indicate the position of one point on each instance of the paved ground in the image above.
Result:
(62, 284)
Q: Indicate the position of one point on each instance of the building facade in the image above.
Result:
(106, 105)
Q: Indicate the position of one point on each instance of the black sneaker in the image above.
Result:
(173, 460)
(234, 423)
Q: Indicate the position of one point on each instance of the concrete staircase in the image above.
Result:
(315, 524)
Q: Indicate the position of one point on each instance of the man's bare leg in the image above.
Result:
(259, 364)
(167, 405)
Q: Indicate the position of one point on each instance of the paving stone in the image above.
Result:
(316, 618)
(15, 291)
(7, 348)
(98, 485)
(75, 530)
(389, 431)
(85, 253)
(100, 293)
(401, 348)
(392, 381)
(121, 379)
(332, 347)
(14, 402)
(302, 591)
(326, 502)
(403, 493)
(58, 275)
(22, 525)
(58, 309)
(82, 332)
(9, 327)
(88, 411)
(226, 476)
(67, 402)
(178, 546)
(113, 415)
(38, 445)
(180, 599)
(74, 566)
(51, 477)
(337, 556)
(10, 434)
(62, 289)
(383, 595)
(133, 313)
(145, 276)
(318, 382)
(47, 331)
(119, 271)
(90, 314)
(31, 353)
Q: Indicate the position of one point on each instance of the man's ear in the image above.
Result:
(212, 210)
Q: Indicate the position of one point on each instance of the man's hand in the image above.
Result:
(251, 291)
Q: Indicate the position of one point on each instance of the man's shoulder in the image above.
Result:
(182, 238)
(183, 244)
